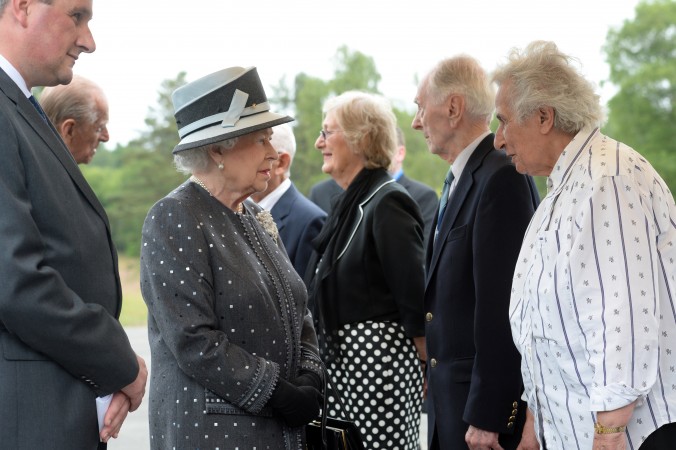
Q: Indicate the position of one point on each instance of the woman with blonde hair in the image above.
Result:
(367, 279)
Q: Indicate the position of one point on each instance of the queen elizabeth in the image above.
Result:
(234, 361)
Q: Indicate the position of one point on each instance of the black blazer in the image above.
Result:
(60, 342)
(473, 366)
(299, 221)
(379, 271)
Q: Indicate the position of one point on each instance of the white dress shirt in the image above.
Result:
(270, 200)
(14, 74)
(592, 307)
(461, 160)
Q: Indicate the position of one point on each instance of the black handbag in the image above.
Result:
(331, 433)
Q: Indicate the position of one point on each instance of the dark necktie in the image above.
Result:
(443, 201)
(39, 108)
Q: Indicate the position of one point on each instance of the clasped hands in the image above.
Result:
(124, 401)
(298, 402)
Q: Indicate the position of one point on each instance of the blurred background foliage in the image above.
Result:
(642, 58)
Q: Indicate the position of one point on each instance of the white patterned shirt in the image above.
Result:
(592, 307)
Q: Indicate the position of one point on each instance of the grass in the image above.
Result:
(134, 311)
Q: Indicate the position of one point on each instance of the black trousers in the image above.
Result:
(664, 438)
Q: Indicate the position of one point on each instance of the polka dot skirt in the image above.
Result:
(378, 376)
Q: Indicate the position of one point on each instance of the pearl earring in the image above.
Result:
(220, 166)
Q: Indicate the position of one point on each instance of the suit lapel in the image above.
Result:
(50, 137)
(458, 197)
(282, 208)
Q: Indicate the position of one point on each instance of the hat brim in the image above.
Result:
(218, 133)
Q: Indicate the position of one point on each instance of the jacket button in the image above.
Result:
(514, 411)
(510, 424)
(511, 418)
(429, 316)
(514, 405)
(433, 362)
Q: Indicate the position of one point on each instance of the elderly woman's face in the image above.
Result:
(339, 160)
(521, 141)
(247, 165)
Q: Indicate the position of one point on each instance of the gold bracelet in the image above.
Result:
(600, 429)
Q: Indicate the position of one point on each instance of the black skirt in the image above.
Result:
(377, 373)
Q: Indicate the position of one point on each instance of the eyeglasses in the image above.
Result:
(325, 134)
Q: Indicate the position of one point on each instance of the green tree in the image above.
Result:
(310, 93)
(161, 132)
(420, 164)
(354, 70)
(130, 179)
(642, 58)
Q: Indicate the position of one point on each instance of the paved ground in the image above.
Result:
(134, 434)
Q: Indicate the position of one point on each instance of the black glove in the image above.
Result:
(307, 378)
(297, 405)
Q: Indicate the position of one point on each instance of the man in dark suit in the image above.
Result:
(423, 195)
(79, 112)
(473, 368)
(61, 344)
(324, 192)
(298, 220)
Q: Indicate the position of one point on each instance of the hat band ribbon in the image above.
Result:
(228, 118)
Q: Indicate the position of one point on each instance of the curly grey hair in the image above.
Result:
(197, 159)
(542, 75)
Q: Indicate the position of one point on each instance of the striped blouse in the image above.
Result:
(592, 308)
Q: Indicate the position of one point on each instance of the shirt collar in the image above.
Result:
(568, 157)
(270, 200)
(461, 161)
(14, 75)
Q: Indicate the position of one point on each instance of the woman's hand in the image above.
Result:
(297, 405)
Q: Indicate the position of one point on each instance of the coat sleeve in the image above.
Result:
(503, 213)
(398, 237)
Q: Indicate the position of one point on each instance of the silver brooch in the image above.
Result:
(268, 224)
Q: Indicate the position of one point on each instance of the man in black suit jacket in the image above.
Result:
(324, 192)
(423, 195)
(473, 368)
(61, 345)
(298, 220)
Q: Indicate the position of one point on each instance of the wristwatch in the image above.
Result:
(600, 429)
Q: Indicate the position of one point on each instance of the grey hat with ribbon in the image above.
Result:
(220, 106)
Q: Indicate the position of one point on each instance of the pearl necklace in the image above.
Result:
(194, 179)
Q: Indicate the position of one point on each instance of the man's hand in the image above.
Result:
(137, 388)
(117, 412)
(478, 439)
(612, 441)
(528, 439)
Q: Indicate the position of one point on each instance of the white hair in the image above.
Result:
(284, 141)
(197, 159)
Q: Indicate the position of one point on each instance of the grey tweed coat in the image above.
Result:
(227, 317)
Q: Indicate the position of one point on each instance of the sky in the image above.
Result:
(141, 43)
